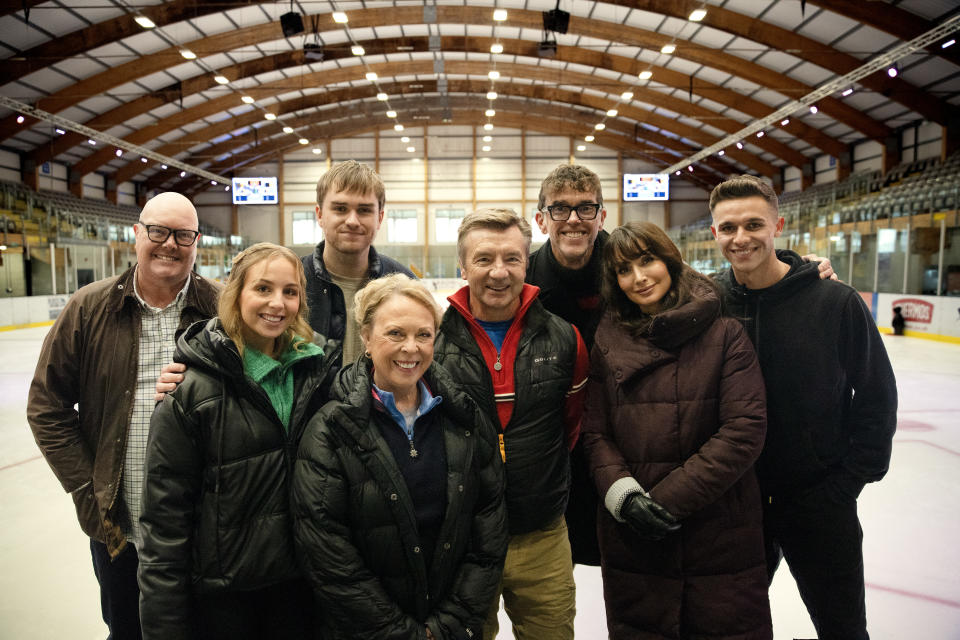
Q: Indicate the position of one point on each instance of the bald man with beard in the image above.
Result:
(92, 394)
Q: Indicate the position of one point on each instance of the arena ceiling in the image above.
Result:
(91, 62)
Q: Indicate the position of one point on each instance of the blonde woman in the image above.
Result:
(398, 486)
(217, 558)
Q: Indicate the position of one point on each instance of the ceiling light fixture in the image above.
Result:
(690, 168)
(270, 116)
(500, 15)
(813, 108)
(60, 131)
(186, 53)
(213, 182)
(143, 160)
(371, 76)
(893, 70)
(183, 174)
(599, 126)
(144, 22)
(247, 100)
(612, 113)
(488, 126)
(382, 97)
(92, 142)
(487, 138)
(721, 152)
(486, 147)
(496, 47)
(668, 48)
(759, 134)
(398, 127)
(493, 75)
(626, 95)
(739, 145)
(491, 95)
(119, 153)
(340, 17)
(645, 75)
(405, 139)
(785, 122)
(391, 114)
(697, 15)
(303, 141)
(588, 139)
(411, 149)
(581, 147)
(221, 79)
(490, 113)
(317, 151)
(288, 129)
(846, 92)
(357, 50)
(948, 43)
(163, 166)
(20, 119)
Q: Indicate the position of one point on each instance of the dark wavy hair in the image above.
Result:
(629, 242)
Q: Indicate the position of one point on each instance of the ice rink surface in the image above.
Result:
(911, 519)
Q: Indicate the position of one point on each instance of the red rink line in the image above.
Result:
(17, 464)
(927, 442)
(918, 596)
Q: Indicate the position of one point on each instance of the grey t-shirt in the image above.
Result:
(352, 345)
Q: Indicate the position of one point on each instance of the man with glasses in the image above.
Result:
(567, 270)
(92, 394)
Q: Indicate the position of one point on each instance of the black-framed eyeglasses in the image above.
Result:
(159, 234)
(585, 211)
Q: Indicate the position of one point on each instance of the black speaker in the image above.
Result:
(291, 23)
(547, 49)
(556, 20)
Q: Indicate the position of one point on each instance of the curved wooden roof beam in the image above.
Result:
(102, 156)
(445, 14)
(820, 53)
(890, 19)
(360, 124)
(580, 56)
(573, 120)
(102, 33)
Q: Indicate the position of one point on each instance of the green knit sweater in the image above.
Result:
(275, 377)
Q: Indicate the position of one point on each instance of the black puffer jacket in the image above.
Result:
(355, 525)
(216, 489)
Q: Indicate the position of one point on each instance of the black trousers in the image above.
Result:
(119, 593)
(818, 533)
(284, 611)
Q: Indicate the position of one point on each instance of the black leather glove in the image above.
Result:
(648, 519)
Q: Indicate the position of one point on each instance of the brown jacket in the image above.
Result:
(681, 410)
(82, 393)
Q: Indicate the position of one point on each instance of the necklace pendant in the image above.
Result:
(413, 452)
(497, 366)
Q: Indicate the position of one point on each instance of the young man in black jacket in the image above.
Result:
(567, 270)
(831, 403)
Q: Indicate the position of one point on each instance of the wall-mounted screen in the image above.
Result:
(254, 190)
(646, 186)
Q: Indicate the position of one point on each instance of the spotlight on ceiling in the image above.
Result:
(813, 108)
(556, 20)
(291, 23)
(144, 22)
(496, 48)
(893, 70)
(697, 15)
(547, 49)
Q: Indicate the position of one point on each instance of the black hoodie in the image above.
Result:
(831, 392)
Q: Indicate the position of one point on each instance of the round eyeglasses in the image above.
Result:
(585, 211)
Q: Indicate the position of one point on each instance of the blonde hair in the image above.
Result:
(228, 308)
(351, 176)
(495, 219)
(377, 291)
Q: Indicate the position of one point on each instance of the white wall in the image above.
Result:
(9, 166)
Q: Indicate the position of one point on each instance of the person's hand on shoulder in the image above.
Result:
(826, 269)
(170, 376)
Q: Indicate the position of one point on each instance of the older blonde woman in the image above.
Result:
(398, 486)
(217, 558)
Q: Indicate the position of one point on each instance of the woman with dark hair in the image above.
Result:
(675, 418)
(218, 558)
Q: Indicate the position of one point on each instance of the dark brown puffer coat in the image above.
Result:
(683, 411)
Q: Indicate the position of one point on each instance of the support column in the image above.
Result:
(523, 171)
(111, 190)
(891, 152)
(806, 176)
(473, 171)
(281, 213)
(28, 172)
(845, 165)
(74, 183)
(426, 201)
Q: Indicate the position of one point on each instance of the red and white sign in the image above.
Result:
(914, 309)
